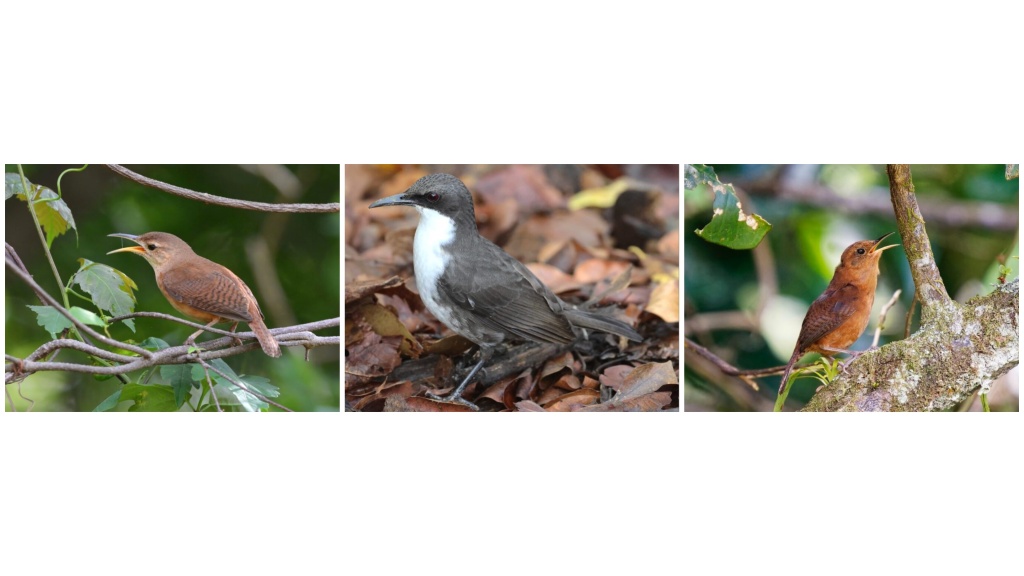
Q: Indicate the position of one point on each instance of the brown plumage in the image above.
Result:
(839, 316)
(199, 288)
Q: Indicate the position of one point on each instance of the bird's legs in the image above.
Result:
(191, 340)
(456, 395)
(853, 354)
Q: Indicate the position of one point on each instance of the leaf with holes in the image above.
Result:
(730, 225)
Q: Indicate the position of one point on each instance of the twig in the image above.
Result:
(50, 301)
(726, 368)
(220, 200)
(243, 387)
(910, 317)
(875, 200)
(881, 317)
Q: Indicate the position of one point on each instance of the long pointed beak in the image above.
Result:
(883, 248)
(136, 249)
(396, 200)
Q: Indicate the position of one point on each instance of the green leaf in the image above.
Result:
(110, 289)
(110, 403)
(179, 376)
(149, 398)
(86, 316)
(154, 344)
(51, 320)
(53, 214)
(730, 225)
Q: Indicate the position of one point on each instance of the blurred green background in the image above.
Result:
(751, 319)
(301, 251)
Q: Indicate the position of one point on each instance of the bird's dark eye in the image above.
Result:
(151, 246)
(860, 250)
(432, 196)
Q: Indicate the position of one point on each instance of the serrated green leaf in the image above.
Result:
(110, 403)
(730, 225)
(179, 376)
(149, 398)
(53, 213)
(86, 316)
(109, 289)
(51, 320)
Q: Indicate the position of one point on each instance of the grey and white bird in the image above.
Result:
(476, 288)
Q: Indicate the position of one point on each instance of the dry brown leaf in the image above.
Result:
(527, 185)
(665, 301)
(529, 406)
(574, 400)
(559, 282)
(356, 290)
(596, 269)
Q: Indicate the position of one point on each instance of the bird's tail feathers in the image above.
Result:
(602, 323)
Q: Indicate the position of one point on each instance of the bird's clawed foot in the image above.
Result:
(454, 398)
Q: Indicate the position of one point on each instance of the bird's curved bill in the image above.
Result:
(136, 249)
(879, 241)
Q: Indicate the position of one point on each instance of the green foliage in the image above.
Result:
(304, 256)
(730, 225)
(51, 320)
(51, 211)
(110, 289)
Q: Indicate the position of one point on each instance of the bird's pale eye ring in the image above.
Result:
(151, 246)
(860, 250)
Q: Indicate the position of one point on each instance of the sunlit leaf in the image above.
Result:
(110, 289)
(151, 398)
(86, 316)
(731, 226)
(1012, 171)
(51, 320)
(53, 214)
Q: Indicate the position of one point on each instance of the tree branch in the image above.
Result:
(930, 289)
(958, 347)
(220, 200)
(299, 335)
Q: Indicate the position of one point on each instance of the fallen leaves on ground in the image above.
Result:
(396, 351)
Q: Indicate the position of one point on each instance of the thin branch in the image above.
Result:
(881, 317)
(299, 335)
(243, 387)
(50, 301)
(220, 200)
(874, 201)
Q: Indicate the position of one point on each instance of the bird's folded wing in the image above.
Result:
(508, 297)
(826, 314)
(215, 292)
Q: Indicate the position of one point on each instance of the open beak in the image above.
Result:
(396, 200)
(875, 248)
(136, 249)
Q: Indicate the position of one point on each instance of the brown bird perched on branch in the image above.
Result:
(839, 316)
(199, 288)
